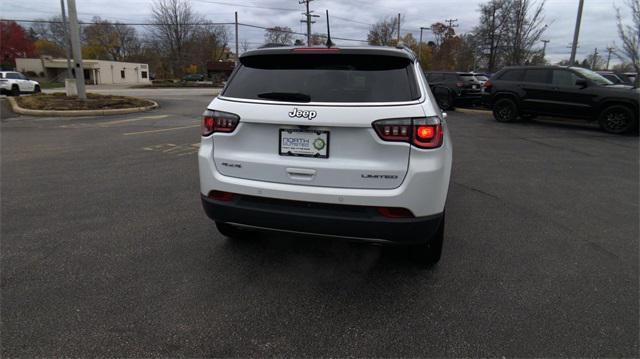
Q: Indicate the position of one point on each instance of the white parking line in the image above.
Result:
(161, 130)
(117, 122)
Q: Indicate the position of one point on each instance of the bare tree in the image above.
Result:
(524, 30)
(278, 35)
(110, 41)
(491, 32)
(630, 37)
(384, 32)
(208, 43)
(244, 46)
(173, 27)
(52, 31)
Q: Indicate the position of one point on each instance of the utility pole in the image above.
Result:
(544, 48)
(610, 50)
(66, 39)
(593, 60)
(74, 31)
(420, 44)
(576, 33)
(398, 28)
(237, 48)
(452, 23)
(308, 15)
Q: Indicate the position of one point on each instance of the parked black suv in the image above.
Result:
(454, 88)
(562, 91)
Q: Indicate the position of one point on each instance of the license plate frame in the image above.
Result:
(323, 135)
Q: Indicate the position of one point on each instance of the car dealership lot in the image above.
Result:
(106, 250)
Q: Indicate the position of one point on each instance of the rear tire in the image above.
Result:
(37, 89)
(617, 119)
(505, 110)
(431, 252)
(15, 90)
(231, 231)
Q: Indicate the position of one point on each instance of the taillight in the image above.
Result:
(218, 121)
(423, 132)
(459, 84)
(487, 85)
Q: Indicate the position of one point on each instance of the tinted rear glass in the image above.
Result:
(512, 75)
(537, 76)
(326, 78)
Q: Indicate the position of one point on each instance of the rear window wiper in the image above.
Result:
(286, 96)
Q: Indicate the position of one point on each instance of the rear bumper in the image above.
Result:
(355, 222)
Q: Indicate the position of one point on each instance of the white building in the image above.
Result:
(95, 71)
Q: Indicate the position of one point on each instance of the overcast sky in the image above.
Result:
(352, 18)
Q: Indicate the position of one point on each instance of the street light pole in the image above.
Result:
(66, 39)
(576, 33)
(420, 44)
(75, 48)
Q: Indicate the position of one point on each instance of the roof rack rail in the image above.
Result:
(407, 49)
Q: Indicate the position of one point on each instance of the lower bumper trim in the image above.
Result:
(361, 223)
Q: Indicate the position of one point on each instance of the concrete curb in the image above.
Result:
(74, 113)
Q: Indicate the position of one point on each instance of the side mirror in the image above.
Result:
(582, 83)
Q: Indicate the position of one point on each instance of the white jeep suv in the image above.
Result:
(14, 83)
(344, 142)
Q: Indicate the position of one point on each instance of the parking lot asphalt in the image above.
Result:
(105, 251)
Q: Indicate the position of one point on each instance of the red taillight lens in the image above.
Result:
(220, 196)
(425, 132)
(459, 84)
(218, 121)
(420, 132)
(395, 212)
(487, 85)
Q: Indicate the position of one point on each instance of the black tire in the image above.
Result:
(617, 119)
(37, 89)
(505, 110)
(431, 252)
(15, 90)
(231, 231)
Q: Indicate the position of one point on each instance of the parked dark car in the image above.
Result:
(525, 92)
(453, 89)
(616, 78)
(193, 77)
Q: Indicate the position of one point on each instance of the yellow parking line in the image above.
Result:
(161, 130)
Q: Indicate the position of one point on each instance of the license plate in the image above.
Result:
(305, 143)
(475, 87)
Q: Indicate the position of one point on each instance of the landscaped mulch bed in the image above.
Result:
(60, 102)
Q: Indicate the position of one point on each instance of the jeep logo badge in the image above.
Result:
(309, 115)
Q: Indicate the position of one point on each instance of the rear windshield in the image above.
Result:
(324, 78)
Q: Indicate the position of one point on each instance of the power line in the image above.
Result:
(122, 23)
(186, 24)
(247, 6)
